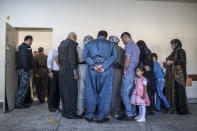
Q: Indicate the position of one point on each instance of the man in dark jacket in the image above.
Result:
(25, 63)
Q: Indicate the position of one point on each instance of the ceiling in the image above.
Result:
(183, 1)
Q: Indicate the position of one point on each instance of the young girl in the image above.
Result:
(139, 96)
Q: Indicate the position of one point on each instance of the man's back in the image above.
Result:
(41, 60)
(101, 47)
(67, 54)
(62, 50)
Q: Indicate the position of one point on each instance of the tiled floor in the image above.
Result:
(38, 118)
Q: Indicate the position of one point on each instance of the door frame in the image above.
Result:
(4, 58)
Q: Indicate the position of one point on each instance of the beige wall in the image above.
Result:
(155, 22)
(40, 39)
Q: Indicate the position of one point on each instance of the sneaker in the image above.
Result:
(141, 120)
(137, 117)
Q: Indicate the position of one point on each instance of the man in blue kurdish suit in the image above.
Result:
(99, 55)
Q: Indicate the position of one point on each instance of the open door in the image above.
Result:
(11, 80)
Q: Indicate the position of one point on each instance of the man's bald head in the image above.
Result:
(72, 36)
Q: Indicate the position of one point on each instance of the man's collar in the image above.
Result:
(101, 37)
(26, 44)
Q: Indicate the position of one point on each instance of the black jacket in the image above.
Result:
(67, 54)
(24, 58)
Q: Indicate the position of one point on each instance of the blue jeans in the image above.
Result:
(127, 89)
(160, 95)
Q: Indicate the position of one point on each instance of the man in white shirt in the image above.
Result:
(82, 77)
(54, 96)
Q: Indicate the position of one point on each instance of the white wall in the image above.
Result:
(155, 22)
(40, 39)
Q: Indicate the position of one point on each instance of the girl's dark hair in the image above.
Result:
(140, 67)
(155, 55)
(177, 43)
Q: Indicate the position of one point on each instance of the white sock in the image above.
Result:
(143, 112)
(140, 112)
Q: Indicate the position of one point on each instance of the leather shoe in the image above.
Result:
(89, 119)
(51, 109)
(20, 107)
(105, 119)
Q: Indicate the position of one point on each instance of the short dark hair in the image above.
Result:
(28, 37)
(155, 55)
(140, 67)
(40, 49)
(102, 33)
(126, 33)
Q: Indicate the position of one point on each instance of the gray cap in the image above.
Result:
(87, 38)
(114, 39)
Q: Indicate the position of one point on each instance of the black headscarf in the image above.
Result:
(146, 58)
(177, 43)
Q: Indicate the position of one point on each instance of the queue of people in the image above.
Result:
(99, 78)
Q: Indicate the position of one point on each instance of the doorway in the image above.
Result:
(42, 37)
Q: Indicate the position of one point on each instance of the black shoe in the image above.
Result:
(41, 101)
(157, 110)
(105, 119)
(20, 107)
(122, 116)
(152, 112)
(59, 110)
(51, 109)
(72, 117)
(76, 115)
(169, 110)
(89, 119)
(69, 116)
(127, 118)
(27, 105)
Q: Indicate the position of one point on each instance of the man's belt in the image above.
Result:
(83, 62)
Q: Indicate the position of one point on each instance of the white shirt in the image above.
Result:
(80, 52)
(51, 64)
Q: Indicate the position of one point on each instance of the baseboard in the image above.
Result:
(192, 100)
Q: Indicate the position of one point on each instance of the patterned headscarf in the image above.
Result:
(87, 38)
(114, 39)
